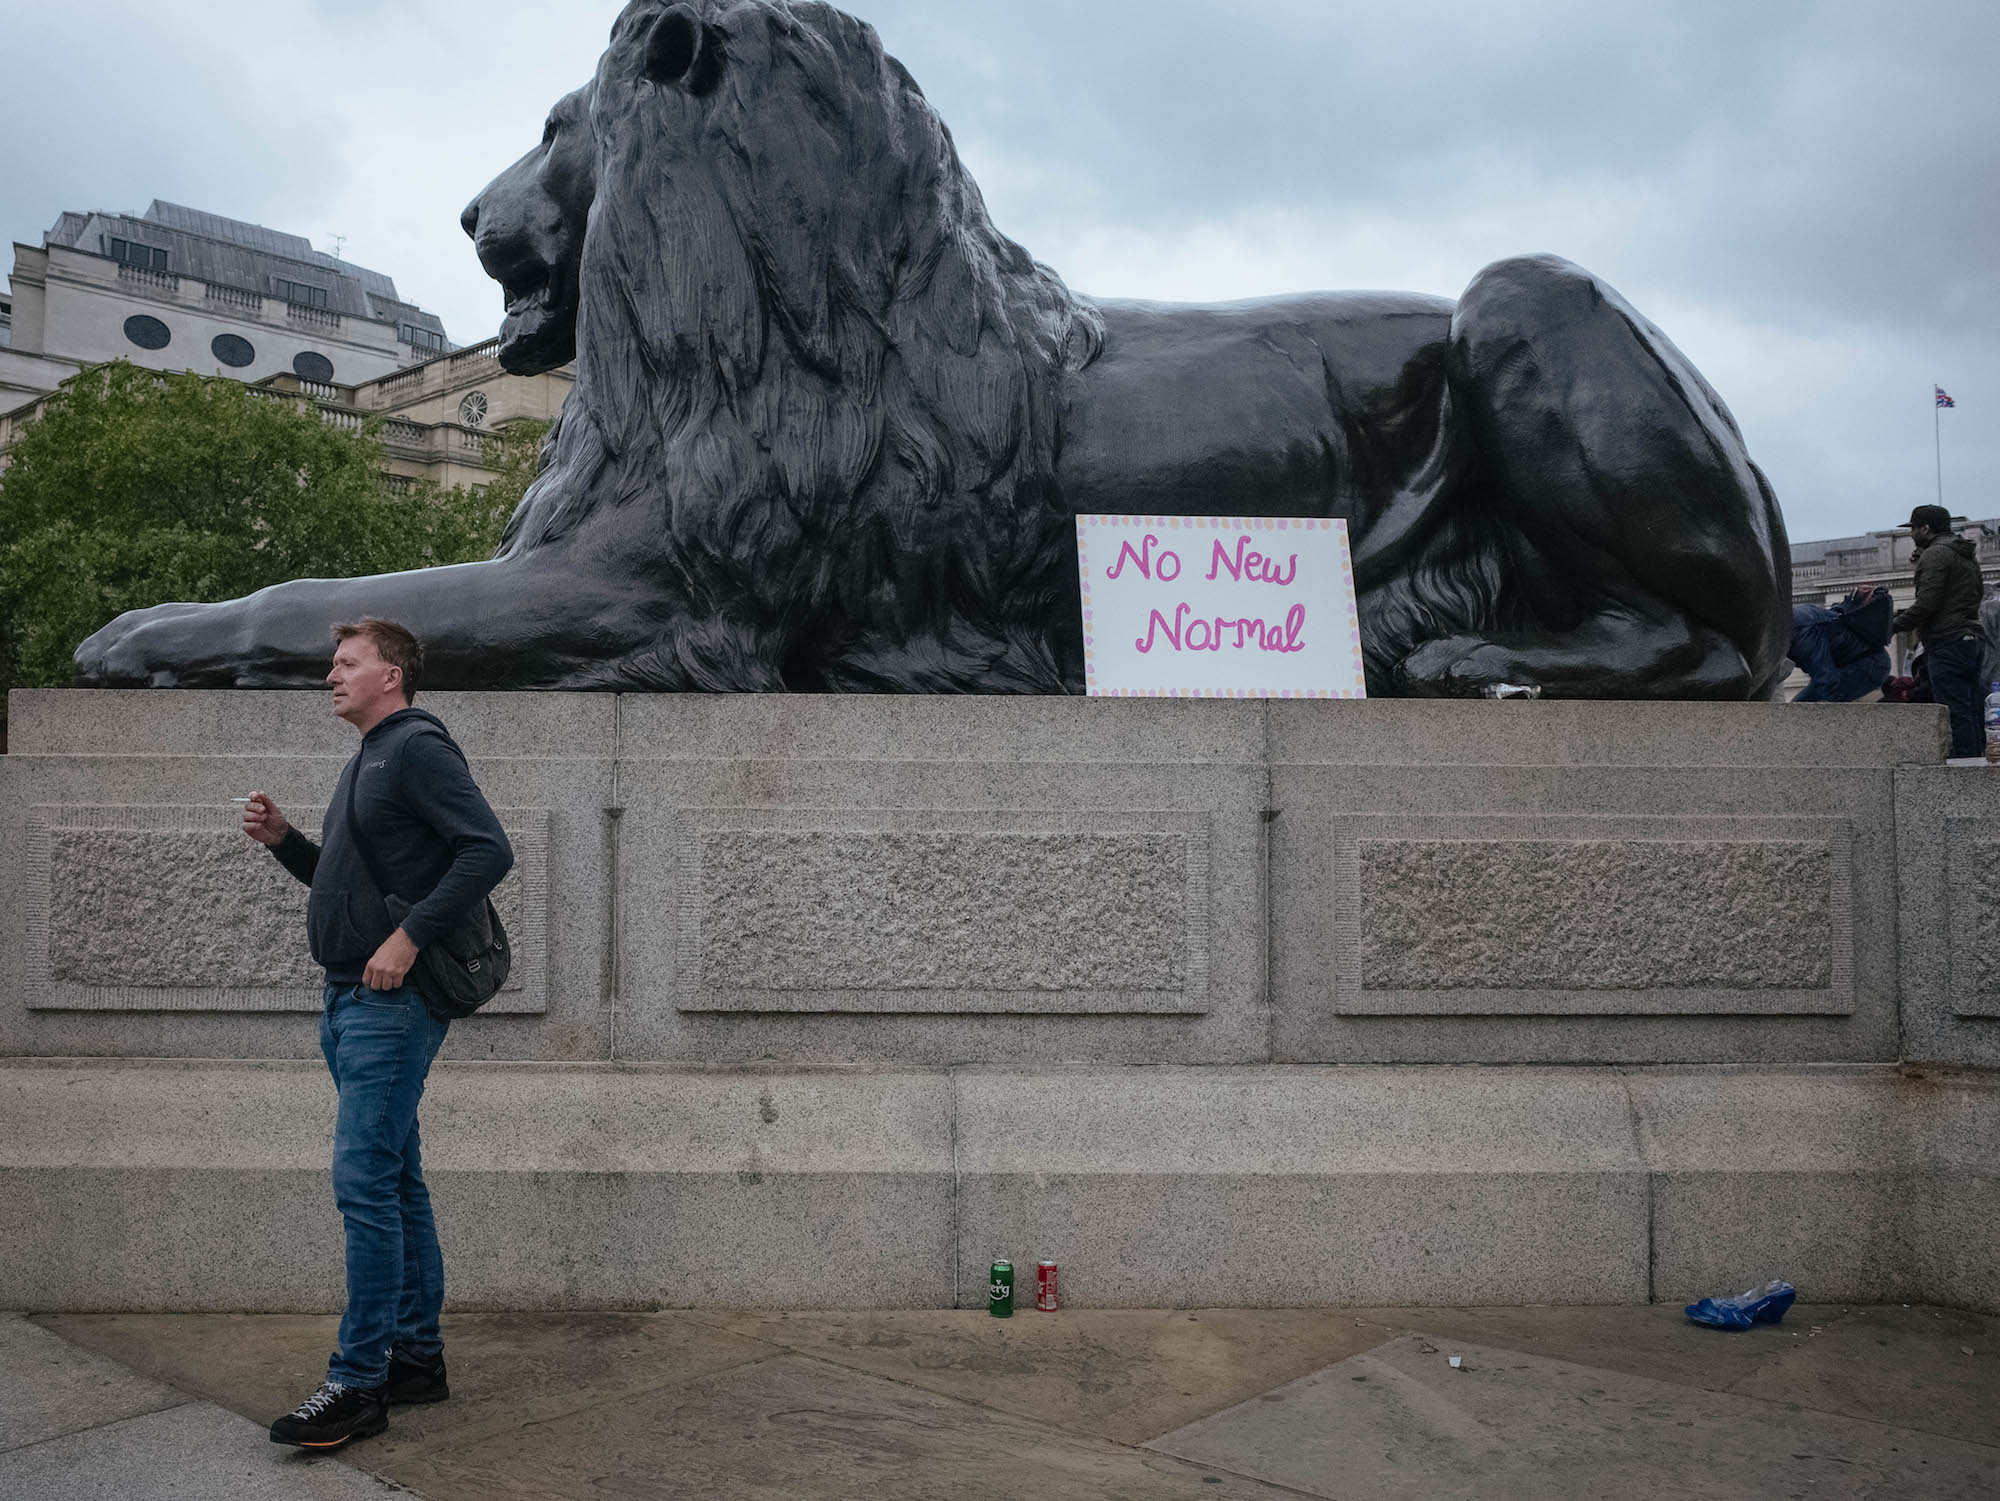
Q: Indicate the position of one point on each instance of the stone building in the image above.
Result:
(175, 288)
(178, 289)
(440, 419)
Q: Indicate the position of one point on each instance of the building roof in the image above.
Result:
(1816, 552)
(234, 253)
(1871, 542)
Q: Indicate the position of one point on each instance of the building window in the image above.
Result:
(312, 366)
(147, 333)
(232, 350)
(132, 253)
(302, 292)
(423, 338)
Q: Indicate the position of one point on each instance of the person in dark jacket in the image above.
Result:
(1945, 616)
(1989, 627)
(430, 832)
(1845, 649)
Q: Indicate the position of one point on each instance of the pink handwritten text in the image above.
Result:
(1251, 564)
(1208, 633)
(1148, 565)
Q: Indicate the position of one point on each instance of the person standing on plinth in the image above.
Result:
(409, 795)
(1945, 616)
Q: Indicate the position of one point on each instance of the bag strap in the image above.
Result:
(361, 845)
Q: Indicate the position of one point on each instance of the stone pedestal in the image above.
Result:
(831, 1000)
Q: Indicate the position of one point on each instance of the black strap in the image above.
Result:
(360, 844)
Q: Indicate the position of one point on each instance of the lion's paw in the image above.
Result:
(140, 649)
(1457, 667)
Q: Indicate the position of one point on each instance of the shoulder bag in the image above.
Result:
(463, 969)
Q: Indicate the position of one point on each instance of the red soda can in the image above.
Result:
(1045, 1286)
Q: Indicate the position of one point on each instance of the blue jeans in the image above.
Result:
(379, 1045)
(1955, 683)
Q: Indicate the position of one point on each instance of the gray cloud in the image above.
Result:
(1805, 195)
(110, 106)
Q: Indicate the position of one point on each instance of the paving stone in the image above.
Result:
(1400, 1422)
(1558, 1402)
(790, 1427)
(1902, 1366)
(194, 1452)
(53, 1388)
(506, 1370)
(1122, 1374)
(1936, 1370)
(1656, 1342)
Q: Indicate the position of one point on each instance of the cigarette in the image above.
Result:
(239, 799)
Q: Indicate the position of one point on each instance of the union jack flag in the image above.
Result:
(1942, 399)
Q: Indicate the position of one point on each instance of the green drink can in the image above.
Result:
(1000, 1290)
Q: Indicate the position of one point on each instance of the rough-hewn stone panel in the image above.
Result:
(173, 907)
(1599, 914)
(1981, 904)
(181, 908)
(944, 910)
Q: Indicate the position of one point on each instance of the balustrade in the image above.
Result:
(300, 313)
(233, 297)
(157, 281)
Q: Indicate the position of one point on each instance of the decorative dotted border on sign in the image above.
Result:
(1086, 524)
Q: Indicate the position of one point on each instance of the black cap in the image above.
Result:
(1937, 518)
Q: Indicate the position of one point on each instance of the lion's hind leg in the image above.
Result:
(1644, 543)
(1621, 654)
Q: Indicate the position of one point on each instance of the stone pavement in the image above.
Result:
(1338, 1403)
(79, 1427)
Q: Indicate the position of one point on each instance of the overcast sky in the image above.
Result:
(1806, 196)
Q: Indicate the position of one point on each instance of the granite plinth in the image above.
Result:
(930, 881)
(652, 1186)
(837, 998)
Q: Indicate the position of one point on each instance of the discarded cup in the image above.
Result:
(1760, 1305)
(1457, 1361)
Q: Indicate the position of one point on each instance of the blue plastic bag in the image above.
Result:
(1760, 1305)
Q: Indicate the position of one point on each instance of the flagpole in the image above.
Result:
(1937, 444)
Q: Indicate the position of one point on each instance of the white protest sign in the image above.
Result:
(1218, 607)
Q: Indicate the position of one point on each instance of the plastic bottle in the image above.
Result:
(1993, 724)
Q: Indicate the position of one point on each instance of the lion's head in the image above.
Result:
(527, 226)
(800, 340)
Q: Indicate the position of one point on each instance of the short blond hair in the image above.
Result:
(395, 644)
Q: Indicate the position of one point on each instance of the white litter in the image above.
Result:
(1455, 1361)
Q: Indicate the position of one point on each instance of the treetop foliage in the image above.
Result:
(137, 487)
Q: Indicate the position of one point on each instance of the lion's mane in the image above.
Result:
(802, 343)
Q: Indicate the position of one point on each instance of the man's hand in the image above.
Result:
(262, 821)
(392, 961)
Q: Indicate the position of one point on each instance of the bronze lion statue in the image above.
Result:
(830, 429)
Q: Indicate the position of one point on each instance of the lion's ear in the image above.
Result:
(678, 51)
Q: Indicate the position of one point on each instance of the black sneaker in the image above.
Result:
(331, 1416)
(415, 1380)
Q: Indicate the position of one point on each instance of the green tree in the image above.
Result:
(135, 488)
(518, 458)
